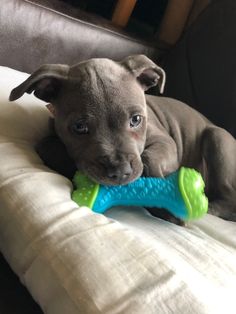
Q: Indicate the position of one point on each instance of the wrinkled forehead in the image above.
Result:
(104, 82)
(95, 70)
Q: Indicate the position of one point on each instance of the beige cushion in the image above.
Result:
(74, 261)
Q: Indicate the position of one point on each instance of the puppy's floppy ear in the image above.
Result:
(45, 82)
(146, 72)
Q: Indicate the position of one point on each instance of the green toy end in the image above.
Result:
(192, 186)
(86, 190)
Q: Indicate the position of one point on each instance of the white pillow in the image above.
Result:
(75, 261)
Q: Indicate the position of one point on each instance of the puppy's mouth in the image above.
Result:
(107, 181)
(98, 176)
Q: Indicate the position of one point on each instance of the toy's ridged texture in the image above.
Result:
(148, 192)
(87, 190)
(192, 186)
(182, 193)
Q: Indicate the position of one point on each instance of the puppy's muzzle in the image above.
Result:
(119, 171)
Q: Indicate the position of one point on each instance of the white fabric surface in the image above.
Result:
(74, 261)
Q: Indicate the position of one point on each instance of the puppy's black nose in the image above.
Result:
(120, 173)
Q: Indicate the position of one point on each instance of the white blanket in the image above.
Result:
(74, 261)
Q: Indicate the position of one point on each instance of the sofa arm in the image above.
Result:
(35, 34)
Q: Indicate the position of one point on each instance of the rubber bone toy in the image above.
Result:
(181, 193)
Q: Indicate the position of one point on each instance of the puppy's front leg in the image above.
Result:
(160, 159)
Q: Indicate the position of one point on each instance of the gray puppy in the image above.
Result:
(114, 132)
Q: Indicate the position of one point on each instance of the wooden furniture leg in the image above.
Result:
(122, 12)
(174, 20)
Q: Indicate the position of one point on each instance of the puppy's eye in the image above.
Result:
(135, 120)
(80, 127)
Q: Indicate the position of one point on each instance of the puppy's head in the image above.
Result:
(100, 112)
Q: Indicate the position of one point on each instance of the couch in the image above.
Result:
(70, 259)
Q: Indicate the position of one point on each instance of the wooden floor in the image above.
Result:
(14, 298)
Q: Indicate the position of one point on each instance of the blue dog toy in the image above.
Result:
(181, 193)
